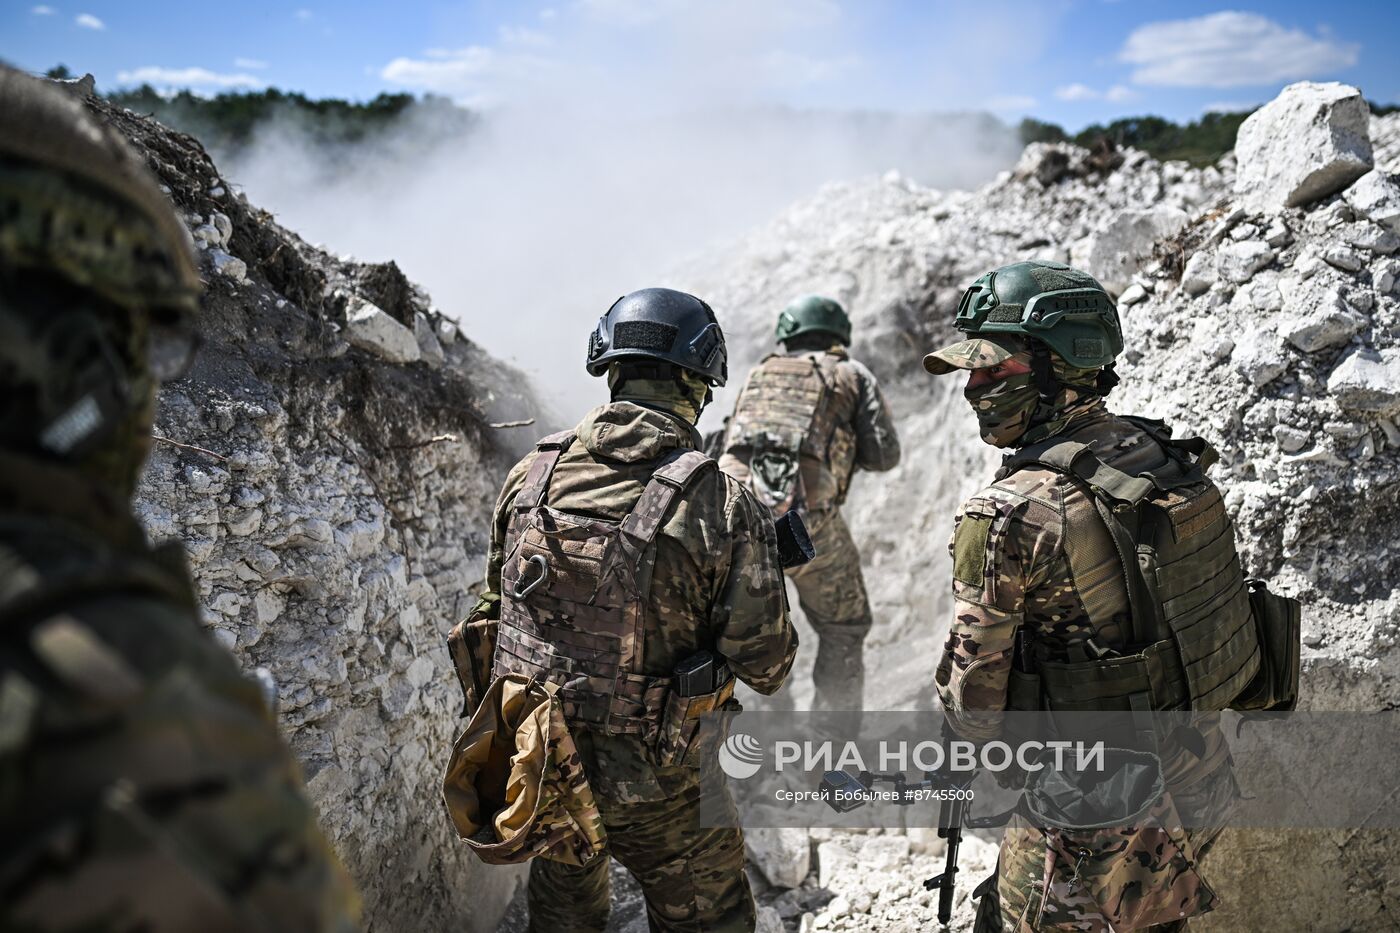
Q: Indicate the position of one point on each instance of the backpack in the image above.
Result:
(1201, 636)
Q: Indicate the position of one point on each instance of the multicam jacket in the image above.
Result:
(856, 431)
(1011, 547)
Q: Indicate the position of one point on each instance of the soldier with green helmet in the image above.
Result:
(623, 566)
(143, 782)
(1049, 615)
(807, 419)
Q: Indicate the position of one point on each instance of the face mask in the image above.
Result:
(1004, 408)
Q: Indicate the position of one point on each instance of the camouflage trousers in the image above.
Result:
(831, 592)
(692, 877)
(1013, 902)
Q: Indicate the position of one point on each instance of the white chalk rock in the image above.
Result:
(783, 855)
(1331, 323)
(1124, 247)
(1260, 356)
(230, 266)
(1199, 274)
(428, 344)
(369, 328)
(1237, 262)
(1311, 141)
(1376, 195)
(1367, 380)
(769, 921)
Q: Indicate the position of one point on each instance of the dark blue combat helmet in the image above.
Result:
(660, 324)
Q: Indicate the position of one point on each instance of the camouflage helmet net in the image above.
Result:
(98, 286)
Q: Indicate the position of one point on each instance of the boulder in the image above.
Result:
(1331, 323)
(369, 328)
(1199, 274)
(783, 855)
(1260, 356)
(1113, 255)
(768, 921)
(1376, 195)
(1237, 262)
(428, 344)
(1311, 141)
(1367, 380)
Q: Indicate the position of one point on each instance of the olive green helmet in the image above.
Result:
(1061, 307)
(812, 313)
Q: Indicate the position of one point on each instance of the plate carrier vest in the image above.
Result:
(787, 410)
(574, 608)
(1192, 642)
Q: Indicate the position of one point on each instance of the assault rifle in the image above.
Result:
(842, 792)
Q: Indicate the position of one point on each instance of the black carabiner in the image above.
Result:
(521, 592)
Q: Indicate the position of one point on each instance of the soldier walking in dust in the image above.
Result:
(806, 420)
(143, 783)
(618, 554)
(1048, 616)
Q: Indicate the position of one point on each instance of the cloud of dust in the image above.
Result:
(617, 137)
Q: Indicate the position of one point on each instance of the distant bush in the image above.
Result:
(227, 122)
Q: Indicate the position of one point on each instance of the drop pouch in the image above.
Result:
(1112, 843)
(701, 684)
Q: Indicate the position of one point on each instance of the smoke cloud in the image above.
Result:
(617, 138)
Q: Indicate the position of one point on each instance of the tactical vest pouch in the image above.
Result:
(1114, 683)
(688, 734)
(514, 787)
(1279, 623)
(1113, 845)
(472, 646)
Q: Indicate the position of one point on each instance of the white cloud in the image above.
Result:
(1230, 49)
(304, 15)
(1009, 102)
(43, 11)
(1229, 106)
(548, 13)
(255, 64)
(88, 21)
(1075, 92)
(522, 36)
(186, 77)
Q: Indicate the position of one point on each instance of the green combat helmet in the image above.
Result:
(1057, 306)
(812, 313)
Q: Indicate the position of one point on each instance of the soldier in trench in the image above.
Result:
(1047, 617)
(807, 419)
(143, 781)
(618, 552)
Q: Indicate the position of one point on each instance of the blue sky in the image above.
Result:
(1070, 61)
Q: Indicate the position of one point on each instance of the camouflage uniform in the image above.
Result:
(143, 782)
(1011, 570)
(831, 588)
(716, 584)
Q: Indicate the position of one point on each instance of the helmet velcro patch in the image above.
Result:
(644, 335)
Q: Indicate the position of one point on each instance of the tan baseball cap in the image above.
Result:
(974, 353)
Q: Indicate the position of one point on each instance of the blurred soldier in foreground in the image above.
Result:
(143, 783)
(1048, 616)
(627, 569)
(806, 420)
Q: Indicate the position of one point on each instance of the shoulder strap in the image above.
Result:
(672, 477)
(548, 449)
(1078, 460)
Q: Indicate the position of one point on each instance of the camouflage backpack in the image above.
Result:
(574, 608)
(786, 411)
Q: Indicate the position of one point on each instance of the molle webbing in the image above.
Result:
(574, 606)
(787, 404)
(1191, 643)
